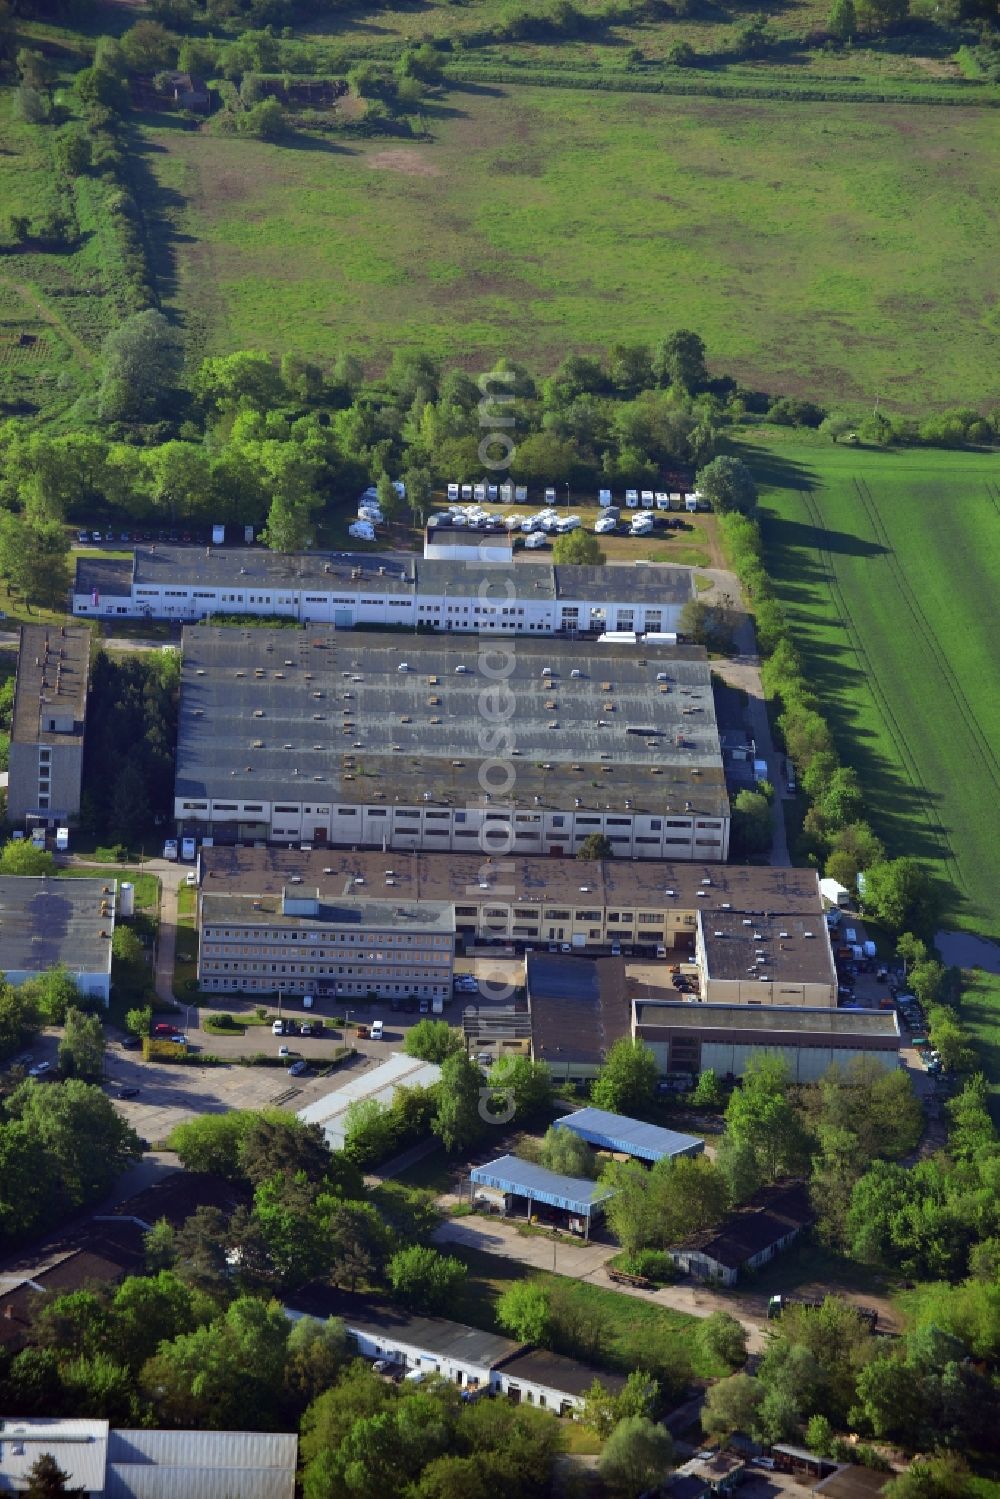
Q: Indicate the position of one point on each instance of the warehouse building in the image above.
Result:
(529, 900)
(629, 1137)
(298, 943)
(691, 1038)
(46, 922)
(106, 1462)
(47, 728)
(470, 594)
(769, 959)
(367, 740)
(379, 1085)
(768, 1224)
(578, 1009)
(521, 1187)
(475, 1361)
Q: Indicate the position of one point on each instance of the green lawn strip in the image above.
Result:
(640, 205)
(638, 1334)
(886, 563)
(147, 886)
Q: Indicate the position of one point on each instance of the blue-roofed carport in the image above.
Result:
(625, 1136)
(516, 1178)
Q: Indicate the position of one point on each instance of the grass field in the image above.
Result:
(54, 308)
(538, 221)
(635, 1333)
(888, 565)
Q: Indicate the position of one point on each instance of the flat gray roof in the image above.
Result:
(508, 1173)
(797, 1020)
(53, 667)
(248, 567)
(450, 577)
(617, 1132)
(301, 715)
(579, 1008)
(625, 884)
(46, 921)
(377, 915)
(782, 947)
(642, 583)
(111, 576)
(434, 1335)
(164, 566)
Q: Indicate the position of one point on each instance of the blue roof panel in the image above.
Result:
(648, 1142)
(524, 1179)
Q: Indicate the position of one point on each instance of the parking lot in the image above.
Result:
(168, 1094)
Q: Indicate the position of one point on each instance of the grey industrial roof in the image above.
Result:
(774, 1020)
(643, 583)
(200, 1465)
(648, 1142)
(618, 883)
(435, 1335)
(463, 536)
(53, 664)
(300, 715)
(249, 567)
(106, 576)
(790, 947)
(46, 921)
(508, 1173)
(374, 915)
(766, 1219)
(79, 1447)
(556, 1372)
(449, 577)
(579, 1008)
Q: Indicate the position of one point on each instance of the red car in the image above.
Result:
(164, 1030)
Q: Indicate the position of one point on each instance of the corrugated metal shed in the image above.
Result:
(330, 1111)
(647, 1142)
(524, 1179)
(79, 1447)
(201, 1465)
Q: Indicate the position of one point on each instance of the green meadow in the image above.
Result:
(887, 563)
(536, 221)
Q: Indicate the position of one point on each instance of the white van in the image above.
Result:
(437, 1005)
(62, 840)
(189, 847)
(535, 540)
(376, 1030)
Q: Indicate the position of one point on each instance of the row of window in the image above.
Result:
(353, 939)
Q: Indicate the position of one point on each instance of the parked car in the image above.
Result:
(424, 1007)
(377, 1030)
(162, 1029)
(283, 1051)
(127, 1093)
(190, 879)
(130, 1043)
(170, 849)
(299, 1068)
(40, 1069)
(83, 537)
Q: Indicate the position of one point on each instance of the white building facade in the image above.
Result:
(187, 584)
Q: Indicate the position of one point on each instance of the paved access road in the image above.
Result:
(588, 1262)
